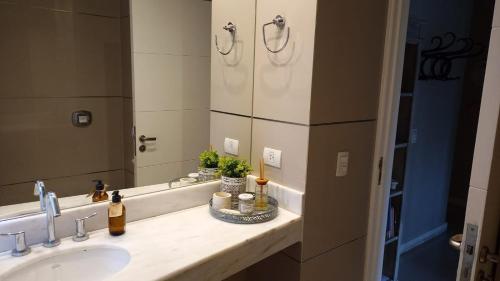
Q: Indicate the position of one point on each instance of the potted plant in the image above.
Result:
(233, 177)
(209, 161)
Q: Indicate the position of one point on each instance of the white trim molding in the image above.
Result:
(421, 239)
(392, 72)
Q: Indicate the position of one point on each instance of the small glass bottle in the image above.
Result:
(246, 204)
(261, 194)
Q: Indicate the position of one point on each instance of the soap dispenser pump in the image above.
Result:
(116, 215)
(100, 191)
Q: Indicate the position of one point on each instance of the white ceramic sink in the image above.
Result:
(81, 264)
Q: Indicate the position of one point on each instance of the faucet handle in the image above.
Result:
(21, 249)
(81, 232)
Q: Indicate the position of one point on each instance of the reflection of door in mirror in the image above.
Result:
(65, 96)
(171, 92)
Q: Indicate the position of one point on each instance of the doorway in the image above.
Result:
(443, 75)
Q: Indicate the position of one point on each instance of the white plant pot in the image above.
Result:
(208, 174)
(234, 186)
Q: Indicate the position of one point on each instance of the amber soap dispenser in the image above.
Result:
(100, 192)
(116, 215)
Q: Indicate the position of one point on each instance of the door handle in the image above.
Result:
(485, 256)
(456, 241)
(144, 139)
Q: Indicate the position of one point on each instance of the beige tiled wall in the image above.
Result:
(171, 69)
(232, 74)
(236, 127)
(59, 57)
(292, 140)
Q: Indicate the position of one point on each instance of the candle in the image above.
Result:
(262, 168)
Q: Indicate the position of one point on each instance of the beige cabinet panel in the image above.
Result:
(336, 209)
(232, 74)
(231, 126)
(283, 81)
(347, 60)
(343, 263)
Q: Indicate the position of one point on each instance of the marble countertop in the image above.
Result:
(184, 245)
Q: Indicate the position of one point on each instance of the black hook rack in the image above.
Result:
(437, 62)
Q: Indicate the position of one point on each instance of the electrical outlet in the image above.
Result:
(272, 157)
(231, 146)
(342, 164)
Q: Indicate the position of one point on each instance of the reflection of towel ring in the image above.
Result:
(280, 22)
(231, 28)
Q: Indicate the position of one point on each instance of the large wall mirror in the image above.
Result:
(111, 91)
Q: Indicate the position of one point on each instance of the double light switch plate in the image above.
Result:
(231, 146)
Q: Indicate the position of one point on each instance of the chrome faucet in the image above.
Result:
(52, 211)
(40, 192)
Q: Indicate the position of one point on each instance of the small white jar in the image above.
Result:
(246, 203)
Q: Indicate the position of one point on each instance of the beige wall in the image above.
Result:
(315, 99)
(59, 57)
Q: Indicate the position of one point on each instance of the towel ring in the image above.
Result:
(280, 23)
(231, 28)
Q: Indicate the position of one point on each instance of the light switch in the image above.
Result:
(231, 146)
(413, 136)
(342, 164)
(272, 157)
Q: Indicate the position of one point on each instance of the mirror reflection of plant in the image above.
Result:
(209, 159)
(233, 168)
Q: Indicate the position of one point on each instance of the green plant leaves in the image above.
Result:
(209, 159)
(233, 168)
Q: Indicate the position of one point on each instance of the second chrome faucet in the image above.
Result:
(50, 205)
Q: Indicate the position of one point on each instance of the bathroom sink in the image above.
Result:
(90, 263)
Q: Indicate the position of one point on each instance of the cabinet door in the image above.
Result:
(232, 68)
(282, 87)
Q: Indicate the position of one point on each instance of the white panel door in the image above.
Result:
(171, 86)
(483, 205)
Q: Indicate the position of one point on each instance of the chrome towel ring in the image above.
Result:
(231, 28)
(280, 23)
